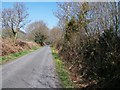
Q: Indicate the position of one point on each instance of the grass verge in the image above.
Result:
(6, 58)
(62, 71)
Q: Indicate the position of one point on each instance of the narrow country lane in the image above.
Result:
(35, 70)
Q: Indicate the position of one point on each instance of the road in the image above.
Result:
(34, 70)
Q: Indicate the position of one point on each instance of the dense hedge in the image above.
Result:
(95, 59)
(91, 43)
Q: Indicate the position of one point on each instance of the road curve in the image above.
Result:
(34, 70)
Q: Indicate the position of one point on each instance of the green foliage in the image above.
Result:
(39, 39)
(102, 58)
(71, 27)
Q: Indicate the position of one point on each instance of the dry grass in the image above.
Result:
(8, 47)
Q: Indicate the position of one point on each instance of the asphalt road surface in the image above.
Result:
(34, 70)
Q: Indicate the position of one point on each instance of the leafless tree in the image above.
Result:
(15, 18)
(37, 31)
(55, 36)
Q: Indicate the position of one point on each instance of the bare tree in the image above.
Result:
(37, 31)
(55, 35)
(15, 18)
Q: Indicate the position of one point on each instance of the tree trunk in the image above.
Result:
(15, 37)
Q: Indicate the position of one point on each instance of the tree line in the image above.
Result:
(90, 44)
(16, 25)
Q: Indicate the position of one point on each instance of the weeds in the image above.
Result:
(62, 71)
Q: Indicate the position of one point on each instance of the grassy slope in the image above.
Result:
(4, 59)
(62, 71)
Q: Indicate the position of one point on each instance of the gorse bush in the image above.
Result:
(95, 59)
(103, 57)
